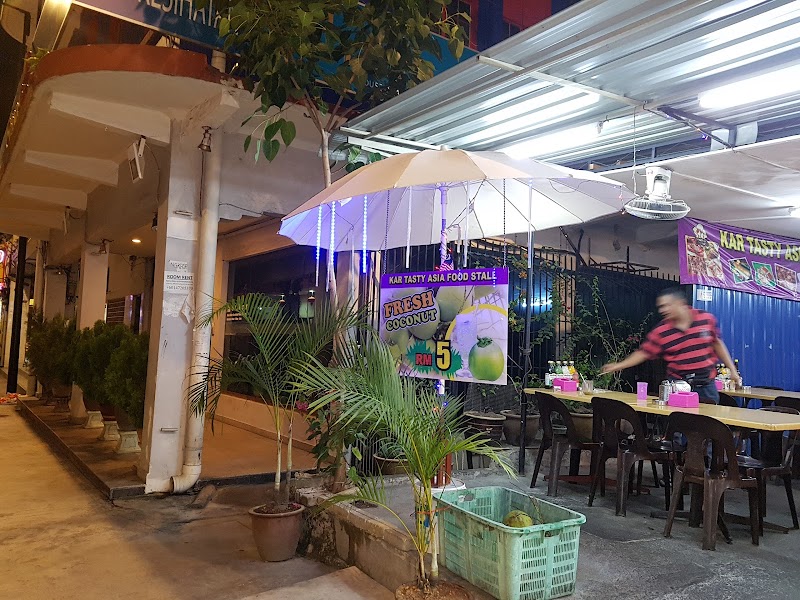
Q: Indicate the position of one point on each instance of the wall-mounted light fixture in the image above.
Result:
(205, 143)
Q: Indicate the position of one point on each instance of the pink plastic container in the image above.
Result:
(720, 385)
(566, 385)
(684, 399)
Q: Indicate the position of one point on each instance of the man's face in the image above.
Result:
(670, 307)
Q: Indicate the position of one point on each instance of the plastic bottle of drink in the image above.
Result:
(565, 369)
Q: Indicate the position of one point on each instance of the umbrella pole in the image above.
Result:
(442, 257)
(527, 349)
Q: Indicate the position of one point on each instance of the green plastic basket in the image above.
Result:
(526, 563)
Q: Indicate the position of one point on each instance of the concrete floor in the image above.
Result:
(628, 557)
(228, 452)
(60, 540)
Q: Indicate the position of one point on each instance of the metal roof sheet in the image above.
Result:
(637, 55)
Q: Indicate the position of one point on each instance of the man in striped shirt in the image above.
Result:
(688, 340)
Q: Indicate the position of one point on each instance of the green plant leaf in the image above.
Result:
(247, 141)
(271, 129)
(288, 132)
(224, 27)
(272, 149)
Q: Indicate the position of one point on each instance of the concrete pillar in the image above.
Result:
(172, 320)
(91, 308)
(38, 299)
(55, 293)
(38, 278)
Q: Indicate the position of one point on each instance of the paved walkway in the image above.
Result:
(59, 540)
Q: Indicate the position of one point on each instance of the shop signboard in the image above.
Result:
(738, 259)
(185, 19)
(447, 324)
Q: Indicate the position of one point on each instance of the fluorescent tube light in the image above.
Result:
(778, 83)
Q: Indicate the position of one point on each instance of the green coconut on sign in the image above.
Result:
(486, 360)
(452, 300)
(425, 331)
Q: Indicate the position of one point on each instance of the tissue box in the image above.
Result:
(566, 385)
(720, 385)
(684, 399)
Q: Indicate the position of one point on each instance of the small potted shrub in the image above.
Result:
(92, 357)
(51, 348)
(125, 381)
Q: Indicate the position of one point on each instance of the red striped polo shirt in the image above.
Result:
(685, 352)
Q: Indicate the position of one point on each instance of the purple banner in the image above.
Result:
(494, 276)
(739, 259)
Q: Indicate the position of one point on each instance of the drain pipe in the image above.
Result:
(211, 169)
(203, 302)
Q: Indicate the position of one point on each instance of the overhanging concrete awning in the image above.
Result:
(83, 109)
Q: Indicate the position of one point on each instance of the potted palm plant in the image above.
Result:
(424, 426)
(280, 342)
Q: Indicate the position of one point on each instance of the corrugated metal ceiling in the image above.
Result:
(639, 55)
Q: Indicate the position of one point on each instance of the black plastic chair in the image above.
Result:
(776, 459)
(715, 475)
(627, 448)
(548, 406)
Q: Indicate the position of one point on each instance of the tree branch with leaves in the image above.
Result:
(333, 58)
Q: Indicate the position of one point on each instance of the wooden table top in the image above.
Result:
(763, 394)
(736, 417)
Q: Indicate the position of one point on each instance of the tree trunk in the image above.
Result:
(326, 159)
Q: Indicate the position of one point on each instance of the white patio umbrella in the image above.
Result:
(433, 196)
(397, 201)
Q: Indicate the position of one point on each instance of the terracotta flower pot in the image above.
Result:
(391, 466)
(512, 426)
(277, 535)
(489, 425)
(583, 425)
(124, 422)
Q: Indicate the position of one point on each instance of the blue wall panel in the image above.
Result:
(762, 332)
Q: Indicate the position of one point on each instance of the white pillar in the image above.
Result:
(55, 293)
(91, 308)
(171, 324)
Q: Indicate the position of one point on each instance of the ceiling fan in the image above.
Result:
(656, 204)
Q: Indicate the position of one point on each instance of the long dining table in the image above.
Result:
(757, 393)
(736, 417)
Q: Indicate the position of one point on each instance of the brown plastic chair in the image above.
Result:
(627, 448)
(776, 459)
(548, 406)
(715, 475)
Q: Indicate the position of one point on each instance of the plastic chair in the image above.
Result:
(627, 448)
(548, 406)
(716, 474)
(777, 451)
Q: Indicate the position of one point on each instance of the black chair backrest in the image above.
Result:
(611, 414)
(788, 402)
(700, 431)
(772, 446)
(548, 405)
(727, 400)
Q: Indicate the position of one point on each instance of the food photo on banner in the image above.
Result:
(739, 259)
(450, 324)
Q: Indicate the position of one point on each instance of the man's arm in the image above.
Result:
(721, 350)
(637, 357)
